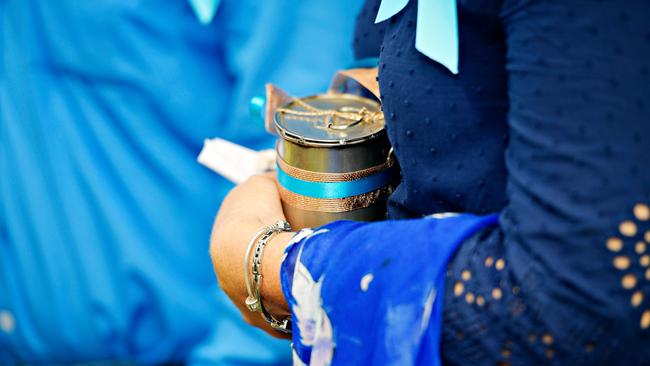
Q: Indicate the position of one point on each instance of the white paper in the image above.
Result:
(235, 162)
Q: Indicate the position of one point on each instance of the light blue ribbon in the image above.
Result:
(204, 9)
(436, 33)
(335, 189)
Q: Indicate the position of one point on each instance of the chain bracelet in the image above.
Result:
(254, 301)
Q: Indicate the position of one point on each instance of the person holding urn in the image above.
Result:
(518, 233)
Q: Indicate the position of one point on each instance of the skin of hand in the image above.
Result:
(246, 209)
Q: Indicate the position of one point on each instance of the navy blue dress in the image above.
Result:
(548, 126)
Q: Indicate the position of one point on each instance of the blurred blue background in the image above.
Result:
(105, 215)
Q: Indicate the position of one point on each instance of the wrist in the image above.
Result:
(271, 289)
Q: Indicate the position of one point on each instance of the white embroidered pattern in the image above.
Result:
(314, 325)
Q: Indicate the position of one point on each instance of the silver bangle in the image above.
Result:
(254, 301)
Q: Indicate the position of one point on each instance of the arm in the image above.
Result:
(566, 292)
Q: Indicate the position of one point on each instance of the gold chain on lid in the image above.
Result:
(313, 114)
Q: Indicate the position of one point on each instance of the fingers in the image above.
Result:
(261, 194)
(245, 210)
(270, 175)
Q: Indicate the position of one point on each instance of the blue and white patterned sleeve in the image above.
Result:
(366, 293)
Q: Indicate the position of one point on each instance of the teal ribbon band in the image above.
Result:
(335, 189)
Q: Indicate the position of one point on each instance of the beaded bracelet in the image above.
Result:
(254, 301)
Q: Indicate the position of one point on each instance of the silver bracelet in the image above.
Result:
(254, 301)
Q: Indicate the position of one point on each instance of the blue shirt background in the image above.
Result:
(104, 214)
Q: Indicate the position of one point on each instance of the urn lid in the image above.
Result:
(330, 120)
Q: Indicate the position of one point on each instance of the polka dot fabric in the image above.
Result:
(449, 132)
(368, 36)
(548, 122)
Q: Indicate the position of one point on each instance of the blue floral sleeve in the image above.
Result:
(366, 293)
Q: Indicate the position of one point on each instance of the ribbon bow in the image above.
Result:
(436, 32)
(204, 9)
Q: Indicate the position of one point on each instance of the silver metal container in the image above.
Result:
(334, 160)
